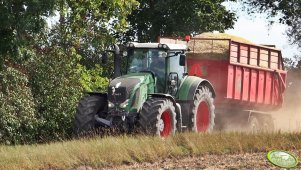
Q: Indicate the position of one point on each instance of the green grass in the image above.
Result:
(100, 152)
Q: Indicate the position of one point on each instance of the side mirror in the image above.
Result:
(173, 82)
(182, 60)
(104, 58)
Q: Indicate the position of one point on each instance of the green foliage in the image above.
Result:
(91, 80)
(20, 21)
(88, 25)
(54, 81)
(288, 11)
(17, 110)
(177, 18)
(41, 89)
(293, 63)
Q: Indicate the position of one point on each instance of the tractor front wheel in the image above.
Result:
(158, 117)
(87, 108)
(203, 111)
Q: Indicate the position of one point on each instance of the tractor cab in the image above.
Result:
(165, 62)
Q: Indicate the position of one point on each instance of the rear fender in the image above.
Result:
(190, 85)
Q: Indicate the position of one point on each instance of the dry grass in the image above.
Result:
(217, 49)
(224, 36)
(100, 152)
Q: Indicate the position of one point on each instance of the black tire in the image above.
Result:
(202, 117)
(156, 111)
(87, 108)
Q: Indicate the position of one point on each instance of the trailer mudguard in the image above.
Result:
(185, 96)
(189, 86)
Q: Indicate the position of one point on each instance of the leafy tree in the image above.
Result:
(155, 18)
(56, 75)
(293, 63)
(88, 25)
(20, 21)
(18, 122)
(54, 79)
(41, 79)
(288, 11)
(91, 79)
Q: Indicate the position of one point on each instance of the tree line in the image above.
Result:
(44, 69)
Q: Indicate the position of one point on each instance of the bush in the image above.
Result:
(38, 99)
(91, 79)
(17, 110)
(54, 79)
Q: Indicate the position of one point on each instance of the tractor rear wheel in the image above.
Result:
(203, 111)
(158, 117)
(87, 108)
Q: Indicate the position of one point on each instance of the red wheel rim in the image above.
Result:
(166, 119)
(202, 117)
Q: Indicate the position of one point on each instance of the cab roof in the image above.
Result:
(156, 45)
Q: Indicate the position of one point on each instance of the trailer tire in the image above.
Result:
(203, 111)
(269, 126)
(254, 126)
(86, 110)
(267, 123)
(158, 117)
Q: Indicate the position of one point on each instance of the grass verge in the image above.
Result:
(100, 152)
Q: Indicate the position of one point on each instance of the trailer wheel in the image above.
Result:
(260, 123)
(87, 108)
(158, 117)
(253, 125)
(267, 123)
(203, 111)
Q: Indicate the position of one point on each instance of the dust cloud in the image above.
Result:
(288, 118)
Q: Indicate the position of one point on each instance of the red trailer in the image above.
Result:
(249, 79)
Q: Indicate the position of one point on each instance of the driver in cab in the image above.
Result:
(158, 67)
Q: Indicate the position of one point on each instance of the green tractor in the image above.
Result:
(156, 95)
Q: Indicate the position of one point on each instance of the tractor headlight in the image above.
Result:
(124, 104)
(130, 45)
(110, 105)
(164, 46)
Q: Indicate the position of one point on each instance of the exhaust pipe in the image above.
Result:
(117, 64)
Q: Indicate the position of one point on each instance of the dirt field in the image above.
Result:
(208, 162)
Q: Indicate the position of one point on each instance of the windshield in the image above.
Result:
(146, 60)
(152, 60)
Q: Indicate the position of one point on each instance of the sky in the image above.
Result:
(256, 29)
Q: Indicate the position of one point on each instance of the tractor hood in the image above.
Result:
(124, 87)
